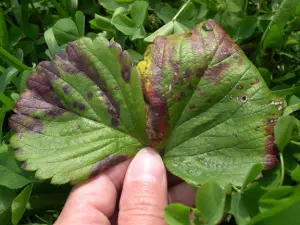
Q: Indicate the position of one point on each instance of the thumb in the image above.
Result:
(144, 194)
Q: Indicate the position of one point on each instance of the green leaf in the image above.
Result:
(247, 26)
(138, 11)
(283, 209)
(180, 28)
(296, 174)
(136, 57)
(216, 114)
(11, 174)
(15, 35)
(177, 214)
(291, 108)
(19, 204)
(140, 33)
(197, 97)
(274, 32)
(80, 22)
(51, 41)
(72, 6)
(22, 80)
(234, 5)
(286, 92)
(111, 5)
(165, 12)
(124, 24)
(253, 173)
(283, 131)
(6, 198)
(65, 30)
(7, 101)
(101, 23)
(88, 104)
(163, 31)
(210, 201)
(211, 4)
(244, 206)
(7, 76)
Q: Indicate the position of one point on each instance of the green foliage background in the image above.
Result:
(267, 30)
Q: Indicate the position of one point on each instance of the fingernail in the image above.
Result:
(146, 166)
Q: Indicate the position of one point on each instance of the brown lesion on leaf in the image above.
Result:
(256, 81)
(24, 165)
(239, 86)
(19, 151)
(79, 105)
(21, 123)
(156, 104)
(126, 73)
(191, 107)
(90, 95)
(215, 73)
(107, 163)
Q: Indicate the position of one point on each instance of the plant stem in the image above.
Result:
(181, 9)
(246, 5)
(235, 188)
(282, 169)
(10, 59)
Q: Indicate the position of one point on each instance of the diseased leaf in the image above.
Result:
(200, 101)
(83, 112)
(208, 107)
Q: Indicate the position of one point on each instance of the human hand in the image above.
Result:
(143, 186)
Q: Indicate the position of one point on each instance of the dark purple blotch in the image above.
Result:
(107, 163)
(115, 121)
(67, 89)
(79, 105)
(239, 86)
(270, 161)
(24, 165)
(19, 151)
(90, 95)
(126, 73)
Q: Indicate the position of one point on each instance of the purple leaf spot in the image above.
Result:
(107, 163)
(67, 89)
(90, 95)
(126, 72)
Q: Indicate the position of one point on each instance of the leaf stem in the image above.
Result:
(181, 9)
(10, 59)
(281, 168)
(235, 188)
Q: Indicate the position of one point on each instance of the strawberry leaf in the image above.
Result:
(82, 112)
(208, 107)
(196, 97)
